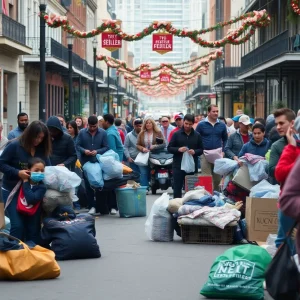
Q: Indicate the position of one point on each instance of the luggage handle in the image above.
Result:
(10, 237)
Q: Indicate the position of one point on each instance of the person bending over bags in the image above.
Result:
(16, 165)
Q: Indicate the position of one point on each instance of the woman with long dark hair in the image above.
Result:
(73, 130)
(34, 142)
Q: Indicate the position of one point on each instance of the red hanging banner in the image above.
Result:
(145, 74)
(162, 42)
(165, 78)
(111, 41)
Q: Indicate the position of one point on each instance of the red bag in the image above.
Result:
(23, 207)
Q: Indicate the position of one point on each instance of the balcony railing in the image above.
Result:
(227, 73)
(13, 30)
(112, 81)
(271, 49)
(199, 89)
(57, 50)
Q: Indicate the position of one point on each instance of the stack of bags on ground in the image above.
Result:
(196, 208)
(69, 236)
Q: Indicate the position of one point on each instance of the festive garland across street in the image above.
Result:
(295, 6)
(250, 22)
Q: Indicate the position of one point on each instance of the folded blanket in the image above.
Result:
(187, 209)
(219, 216)
(200, 222)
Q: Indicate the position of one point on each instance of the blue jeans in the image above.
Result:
(284, 226)
(135, 168)
(25, 228)
(145, 175)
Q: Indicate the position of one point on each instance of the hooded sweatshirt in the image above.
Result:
(63, 147)
(256, 149)
(114, 141)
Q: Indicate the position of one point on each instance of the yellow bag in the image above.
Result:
(78, 164)
(126, 169)
(28, 264)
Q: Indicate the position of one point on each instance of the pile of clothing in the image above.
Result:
(198, 207)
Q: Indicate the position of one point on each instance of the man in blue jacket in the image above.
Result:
(90, 142)
(113, 136)
(22, 125)
(214, 136)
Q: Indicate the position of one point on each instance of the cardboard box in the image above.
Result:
(261, 218)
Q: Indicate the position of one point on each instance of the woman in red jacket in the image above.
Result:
(285, 164)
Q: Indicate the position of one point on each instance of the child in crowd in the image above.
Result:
(34, 191)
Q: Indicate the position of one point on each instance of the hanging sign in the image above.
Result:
(111, 41)
(165, 78)
(162, 42)
(145, 74)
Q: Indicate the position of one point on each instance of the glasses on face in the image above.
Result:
(164, 121)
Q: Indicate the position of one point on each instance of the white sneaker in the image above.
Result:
(113, 211)
(92, 211)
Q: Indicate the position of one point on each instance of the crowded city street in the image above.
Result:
(149, 149)
(131, 267)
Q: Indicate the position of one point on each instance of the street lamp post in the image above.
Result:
(95, 44)
(42, 87)
(70, 40)
(117, 80)
(107, 89)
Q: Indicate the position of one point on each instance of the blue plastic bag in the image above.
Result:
(110, 165)
(109, 153)
(93, 173)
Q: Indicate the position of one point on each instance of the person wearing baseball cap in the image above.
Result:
(179, 122)
(100, 121)
(239, 138)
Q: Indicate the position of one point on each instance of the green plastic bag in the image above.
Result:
(238, 274)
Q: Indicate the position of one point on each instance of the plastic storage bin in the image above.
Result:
(131, 202)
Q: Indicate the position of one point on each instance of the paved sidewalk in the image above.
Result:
(130, 268)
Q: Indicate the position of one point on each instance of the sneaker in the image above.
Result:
(113, 211)
(92, 211)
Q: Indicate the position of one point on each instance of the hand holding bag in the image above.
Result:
(26, 263)
(282, 275)
(187, 163)
(142, 159)
(212, 155)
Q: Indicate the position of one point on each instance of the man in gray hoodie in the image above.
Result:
(130, 149)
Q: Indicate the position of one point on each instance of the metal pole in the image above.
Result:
(42, 86)
(95, 84)
(108, 89)
(117, 114)
(70, 48)
(265, 95)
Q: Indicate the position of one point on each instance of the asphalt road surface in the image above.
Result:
(131, 267)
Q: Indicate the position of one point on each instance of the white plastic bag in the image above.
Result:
(158, 226)
(224, 166)
(187, 163)
(142, 159)
(61, 179)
